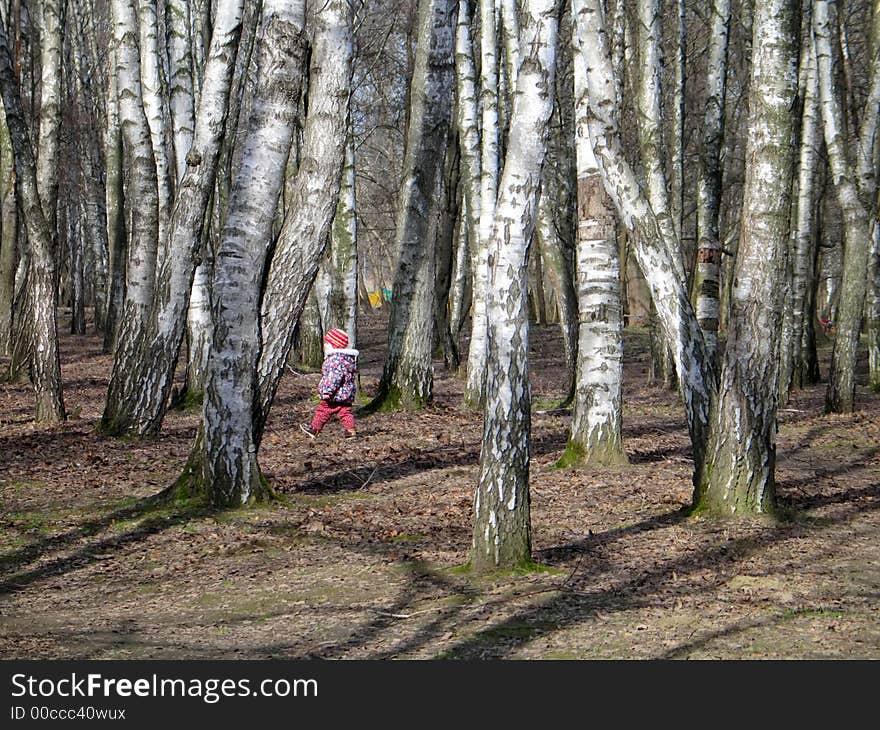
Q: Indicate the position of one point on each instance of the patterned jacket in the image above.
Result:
(337, 377)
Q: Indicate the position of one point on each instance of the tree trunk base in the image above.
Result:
(577, 454)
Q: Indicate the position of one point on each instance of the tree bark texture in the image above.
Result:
(738, 473)
(502, 533)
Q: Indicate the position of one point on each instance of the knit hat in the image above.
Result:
(337, 339)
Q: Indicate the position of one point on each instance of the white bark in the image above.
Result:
(655, 254)
(595, 435)
(847, 177)
(153, 95)
(501, 536)
(230, 468)
(738, 474)
(708, 264)
(45, 365)
(139, 387)
(476, 368)
(793, 369)
(314, 193)
(180, 81)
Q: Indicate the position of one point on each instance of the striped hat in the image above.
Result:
(337, 339)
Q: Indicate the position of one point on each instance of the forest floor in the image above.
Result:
(361, 556)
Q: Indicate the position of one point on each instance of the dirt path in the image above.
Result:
(359, 559)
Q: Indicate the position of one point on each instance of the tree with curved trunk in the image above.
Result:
(313, 197)
(141, 382)
(502, 532)
(855, 184)
(407, 378)
(654, 250)
(226, 471)
(737, 476)
(45, 365)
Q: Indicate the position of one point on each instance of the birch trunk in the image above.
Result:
(654, 253)
(407, 377)
(706, 284)
(51, 42)
(738, 473)
(342, 263)
(502, 533)
(114, 204)
(314, 196)
(153, 95)
(489, 134)
(596, 424)
(840, 396)
(8, 237)
(792, 373)
(143, 210)
(45, 364)
(180, 81)
(873, 314)
(140, 386)
(229, 466)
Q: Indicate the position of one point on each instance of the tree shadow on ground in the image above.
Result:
(163, 517)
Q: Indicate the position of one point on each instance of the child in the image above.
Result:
(337, 386)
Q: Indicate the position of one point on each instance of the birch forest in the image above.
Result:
(608, 272)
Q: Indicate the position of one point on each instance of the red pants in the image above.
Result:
(327, 409)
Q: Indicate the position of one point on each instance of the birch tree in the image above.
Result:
(707, 272)
(229, 468)
(795, 368)
(488, 171)
(855, 183)
(314, 196)
(8, 237)
(45, 365)
(502, 533)
(407, 378)
(655, 251)
(737, 475)
(596, 413)
(140, 384)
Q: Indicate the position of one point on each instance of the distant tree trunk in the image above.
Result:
(595, 435)
(114, 203)
(343, 303)
(873, 315)
(706, 284)
(792, 373)
(310, 332)
(407, 378)
(230, 469)
(140, 383)
(850, 181)
(467, 121)
(448, 219)
(737, 476)
(76, 252)
(502, 532)
(489, 139)
(314, 197)
(8, 237)
(45, 364)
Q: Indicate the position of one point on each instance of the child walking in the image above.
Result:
(337, 386)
